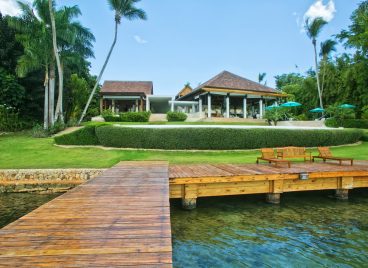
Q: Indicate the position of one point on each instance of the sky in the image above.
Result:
(193, 40)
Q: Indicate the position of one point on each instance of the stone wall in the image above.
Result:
(44, 180)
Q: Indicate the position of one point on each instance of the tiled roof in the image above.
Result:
(145, 87)
(227, 80)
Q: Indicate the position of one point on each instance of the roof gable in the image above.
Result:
(227, 80)
(116, 87)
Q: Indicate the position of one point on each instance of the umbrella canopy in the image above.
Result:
(317, 110)
(291, 104)
(347, 106)
(268, 108)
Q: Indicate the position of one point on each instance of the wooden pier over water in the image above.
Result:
(121, 218)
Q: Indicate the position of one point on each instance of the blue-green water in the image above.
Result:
(306, 230)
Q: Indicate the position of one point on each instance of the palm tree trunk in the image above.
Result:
(317, 74)
(59, 106)
(52, 94)
(323, 75)
(46, 102)
(100, 75)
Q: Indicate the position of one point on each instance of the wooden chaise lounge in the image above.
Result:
(326, 154)
(268, 155)
(293, 153)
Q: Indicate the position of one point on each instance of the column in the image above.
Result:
(172, 106)
(136, 106)
(227, 103)
(200, 106)
(148, 108)
(113, 106)
(193, 109)
(209, 108)
(101, 105)
(260, 108)
(245, 106)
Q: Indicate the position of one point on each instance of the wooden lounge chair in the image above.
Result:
(325, 154)
(268, 155)
(293, 153)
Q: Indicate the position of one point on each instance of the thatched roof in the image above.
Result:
(128, 87)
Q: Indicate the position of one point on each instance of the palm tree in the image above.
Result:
(261, 78)
(123, 9)
(327, 48)
(313, 29)
(33, 34)
(59, 106)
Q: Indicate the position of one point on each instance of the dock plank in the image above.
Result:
(121, 218)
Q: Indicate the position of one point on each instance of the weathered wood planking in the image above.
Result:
(121, 218)
(191, 181)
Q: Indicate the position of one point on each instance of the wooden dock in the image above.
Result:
(189, 182)
(121, 218)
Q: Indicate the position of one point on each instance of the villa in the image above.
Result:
(226, 95)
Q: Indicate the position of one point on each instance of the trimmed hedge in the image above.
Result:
(220, 138)
(83, 136)
(347, 123)
(176, 116)
(128, 117)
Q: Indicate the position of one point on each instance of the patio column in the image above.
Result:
(172, 106)
(245, 106)
(193, 109)
(136, 106)
(261, 108)
(113, 106)
(209, 112)
(101, 105)
(227, 101)
(148, 108)
(200, 106)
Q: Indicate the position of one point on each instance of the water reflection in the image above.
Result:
(307, 229)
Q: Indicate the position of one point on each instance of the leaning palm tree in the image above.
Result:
(327, 48)
(123, 9)
(313, 28)
(261, 78)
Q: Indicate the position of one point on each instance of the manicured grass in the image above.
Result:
(23, 151)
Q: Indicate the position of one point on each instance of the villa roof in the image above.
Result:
(227, 80)
(116, 87)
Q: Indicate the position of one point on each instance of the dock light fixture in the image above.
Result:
(303, 176)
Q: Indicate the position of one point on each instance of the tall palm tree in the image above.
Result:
(327, 48)
(123, 9)
(313, 28)
(59, 106)
(261, 78)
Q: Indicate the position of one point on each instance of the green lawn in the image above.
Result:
(23, 151)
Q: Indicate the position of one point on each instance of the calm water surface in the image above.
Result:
(306, 230)
(14, 206)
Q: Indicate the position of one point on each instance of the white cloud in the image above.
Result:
(319, 9)
(9, 7)
(140, 40)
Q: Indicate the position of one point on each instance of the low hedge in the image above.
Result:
(83, 136)
(128, 117)
(220, 138)
(176, 116)
(347, 123)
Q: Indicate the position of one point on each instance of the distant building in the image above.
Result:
(225, 95)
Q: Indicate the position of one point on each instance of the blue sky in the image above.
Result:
(193, 40)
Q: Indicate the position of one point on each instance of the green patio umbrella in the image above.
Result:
(347, 106)
(317, 110)
(291, 104)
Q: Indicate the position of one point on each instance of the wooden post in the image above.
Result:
(245, 106)
(276, 188)
(209, 108)
(344, 184)
(189, 199)
(227, 103)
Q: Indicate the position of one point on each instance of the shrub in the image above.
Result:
(347, 123)
(275, 115)
(135, 117)
(176, 116)
(83, 136)
(365, 136)
(9, 119)
(365, 112)
(220, 138)
(39, 132)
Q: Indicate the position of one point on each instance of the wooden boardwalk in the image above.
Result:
(121, 218)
